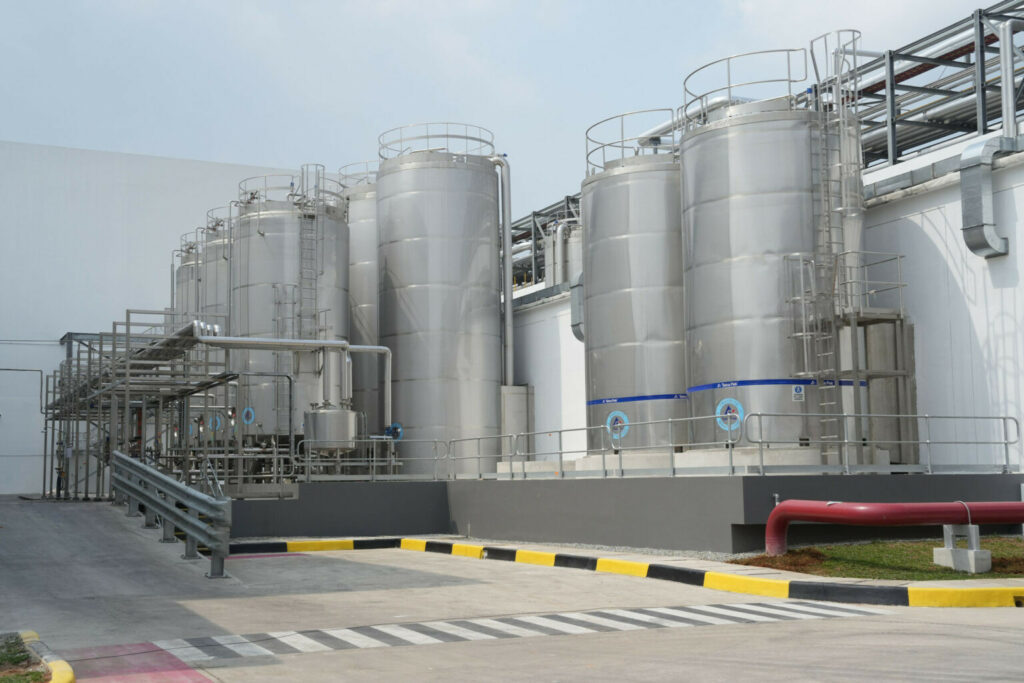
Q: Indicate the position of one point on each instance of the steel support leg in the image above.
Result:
(168, 536)
(216, 567)
(191, 551)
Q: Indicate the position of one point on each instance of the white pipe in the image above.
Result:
(325, 376)
(309, 345)
(506, 246)
(559, 253)
(1008, 91)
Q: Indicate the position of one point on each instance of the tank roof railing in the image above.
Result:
(309, 184)
(359, 173)
(796, 72)
(219, 217)
(613, 139)
(454, 138)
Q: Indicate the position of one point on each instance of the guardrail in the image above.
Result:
(205, 520)
(707, 444)
(933, 427)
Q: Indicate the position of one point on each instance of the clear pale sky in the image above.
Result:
(283, 83)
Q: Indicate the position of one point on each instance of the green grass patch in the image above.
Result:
(897, 560)
(17, 665)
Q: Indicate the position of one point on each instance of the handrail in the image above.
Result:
(757, 437)
(610, 135)
(703, 98)
(359, 173)
(443, 136)
(161, 495)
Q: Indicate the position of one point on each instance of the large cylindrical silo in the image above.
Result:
(633, 285)
(440, 306)
(360, 193)
(750, 182)
(289, 275)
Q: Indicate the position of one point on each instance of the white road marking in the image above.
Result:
(355, 638)
(645, 617)
(506, 628)
(731, 613)
(242, 646)
(459, 631)
(696, 616)
(182, 650)
(555, 625)
(414, 637)
(300, 642)
(601, 621)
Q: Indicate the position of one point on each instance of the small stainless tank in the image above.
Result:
(440, 305)
(360, 194)
(633, 284)
(289, 275)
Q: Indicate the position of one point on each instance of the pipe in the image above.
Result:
(506, 247)
(1008, 91)
(273, 344)
(977, 205)
(883, 514)
(325, 375)
(576, 308)
(559, 263)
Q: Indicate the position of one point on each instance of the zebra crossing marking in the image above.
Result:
(493, 628)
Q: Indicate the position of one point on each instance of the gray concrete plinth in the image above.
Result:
(963, 559)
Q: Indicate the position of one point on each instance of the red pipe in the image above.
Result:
(883, 514)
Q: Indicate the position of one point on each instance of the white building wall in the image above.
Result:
(83, 236)
(968, 312)
(550, 359)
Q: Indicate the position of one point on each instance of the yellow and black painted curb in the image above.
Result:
(60, 670)
(869, 594)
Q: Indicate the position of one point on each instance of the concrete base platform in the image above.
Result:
(702, 458)
(507, 470)
(721, 513)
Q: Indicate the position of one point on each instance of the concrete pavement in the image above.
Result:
(100, 589)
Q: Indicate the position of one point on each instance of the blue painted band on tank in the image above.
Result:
(633, 399)
(771, 382)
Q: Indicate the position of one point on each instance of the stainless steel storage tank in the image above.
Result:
(289, 275)
(186, 282)
(751, 178)
(440, 307)
(360, 193)
(633, 282)
(214, 290)
(214, 276)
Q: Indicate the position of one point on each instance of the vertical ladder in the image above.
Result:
(309, 268)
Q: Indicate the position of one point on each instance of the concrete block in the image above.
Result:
(963, 559)
(506, 469)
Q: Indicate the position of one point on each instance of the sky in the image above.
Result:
(282, 83)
